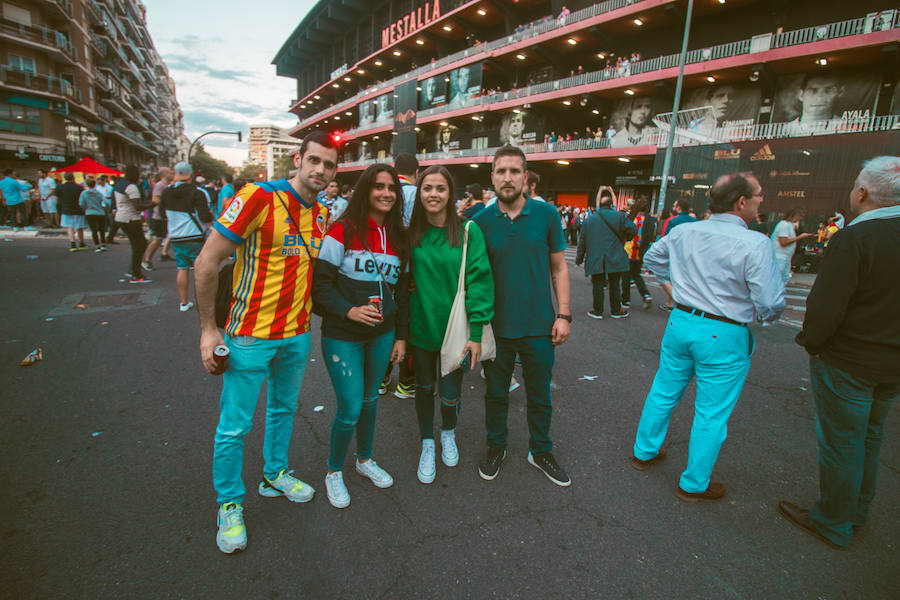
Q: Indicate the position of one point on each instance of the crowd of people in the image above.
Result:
(412, 272)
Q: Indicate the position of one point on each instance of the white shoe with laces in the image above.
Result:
(338, 495)
(379, 476)
(449, 451)
(232, 534)
(285, 484)
(426, 470)
(186, 307)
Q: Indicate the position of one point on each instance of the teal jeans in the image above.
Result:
(356, 369)
(850, 416)
(719, 355)
(281, 364)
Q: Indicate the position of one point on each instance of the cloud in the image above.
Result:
(198, 65)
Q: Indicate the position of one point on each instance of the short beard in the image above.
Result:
(515, 196)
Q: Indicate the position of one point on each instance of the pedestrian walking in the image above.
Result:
(72, 214)
(636, 248)
(437, 238)
(275, 230)
(784, 241)
(47, 189)
(526, 247)
(681, 214)
(852, 334)
(12, 189)
(185, 213)
(158, 228)
(362, 286)
(94, 205)
(723, 278)
(128, 215)
(601, 248)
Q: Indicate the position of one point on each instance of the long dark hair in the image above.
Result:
(641, 205)
(356, 217)
(418, 223)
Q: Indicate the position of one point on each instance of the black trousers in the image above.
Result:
(599, 280)
(97, 223)
(634, 274)
(135, 232)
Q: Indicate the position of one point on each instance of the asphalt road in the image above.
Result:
(107, 447)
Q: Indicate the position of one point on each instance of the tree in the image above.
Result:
(209, 167)
(283, 166)
(252, 172)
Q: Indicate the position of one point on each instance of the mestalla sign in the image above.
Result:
(410, 22)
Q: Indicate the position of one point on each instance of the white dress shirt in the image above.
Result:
(721, 267)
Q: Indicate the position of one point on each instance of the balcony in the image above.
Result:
(59, 9)
(39, 84)
(42, 38)
(753, 49)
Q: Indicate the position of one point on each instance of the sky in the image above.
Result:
(220, 55)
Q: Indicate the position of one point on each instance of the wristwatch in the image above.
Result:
(566, 317)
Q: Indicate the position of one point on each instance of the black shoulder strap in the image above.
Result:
(605, 222)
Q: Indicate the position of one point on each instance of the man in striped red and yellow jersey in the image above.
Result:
(275, 230)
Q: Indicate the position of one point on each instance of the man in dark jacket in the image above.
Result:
(185, 208)
(601, 248)
(852, 334)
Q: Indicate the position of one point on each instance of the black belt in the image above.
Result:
(706, 315)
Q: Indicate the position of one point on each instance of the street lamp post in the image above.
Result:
(197, 139)
(667, 162)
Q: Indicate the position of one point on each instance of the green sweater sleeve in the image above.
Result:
(479, 284)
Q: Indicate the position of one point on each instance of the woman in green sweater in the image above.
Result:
(436, 239)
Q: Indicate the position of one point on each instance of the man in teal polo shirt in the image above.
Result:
(526, 245)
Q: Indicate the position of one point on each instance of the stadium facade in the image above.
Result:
(797, 91)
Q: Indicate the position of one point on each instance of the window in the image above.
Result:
(21, 63)
(20, 119)
(16, 13)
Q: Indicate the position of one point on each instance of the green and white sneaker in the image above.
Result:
(232, 533)
(286, 485)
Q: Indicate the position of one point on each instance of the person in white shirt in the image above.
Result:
(47, 188)
(723, 277)
(784, 241)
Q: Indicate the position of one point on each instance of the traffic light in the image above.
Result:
(337, 138)
(260, 176)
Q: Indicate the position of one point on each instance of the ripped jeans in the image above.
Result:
(356, 369)
(426, 365)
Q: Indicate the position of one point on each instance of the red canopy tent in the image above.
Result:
(88, 166)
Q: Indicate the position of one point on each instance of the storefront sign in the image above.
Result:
(411, 22)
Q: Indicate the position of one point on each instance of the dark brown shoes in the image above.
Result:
(643, 465)
(800, 517)
(715, 491)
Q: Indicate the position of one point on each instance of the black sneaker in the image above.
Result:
(621, 314)
(546, 463)
(594, 315)
(489, 468)
(666, 308)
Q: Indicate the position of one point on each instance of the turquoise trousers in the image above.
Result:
(718, 354)
(850, 416)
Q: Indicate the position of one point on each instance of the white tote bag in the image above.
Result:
(458, 328)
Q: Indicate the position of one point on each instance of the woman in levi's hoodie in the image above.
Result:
(361, 288)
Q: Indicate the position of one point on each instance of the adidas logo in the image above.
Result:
(764, 153)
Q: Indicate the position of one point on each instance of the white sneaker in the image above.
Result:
(379, 476)
(146, 265)
(285, 484)
(449, 451)
(186, 307)
(513, 384)
(232, 533)
(337, 491)
(426, 462)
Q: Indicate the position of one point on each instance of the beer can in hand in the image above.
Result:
(220, 354)
(375, 302)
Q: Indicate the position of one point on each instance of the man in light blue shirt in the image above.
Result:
(13, 190)
(47, 188)
(723, 278)
(225, 194)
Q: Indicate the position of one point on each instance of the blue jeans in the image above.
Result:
(356, 369)
(537, 366)
(719, 355)
(281, 363)
(426, 365)
(850, 416)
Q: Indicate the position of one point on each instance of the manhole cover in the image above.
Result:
(93, 302)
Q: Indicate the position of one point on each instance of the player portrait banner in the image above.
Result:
(735, 105)
(519, 128)
(366, 114)
(632, 119)
(822, 101)
(405, 118)
(447, 139)
(384, 109)
(434, 92)
(465, 85)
